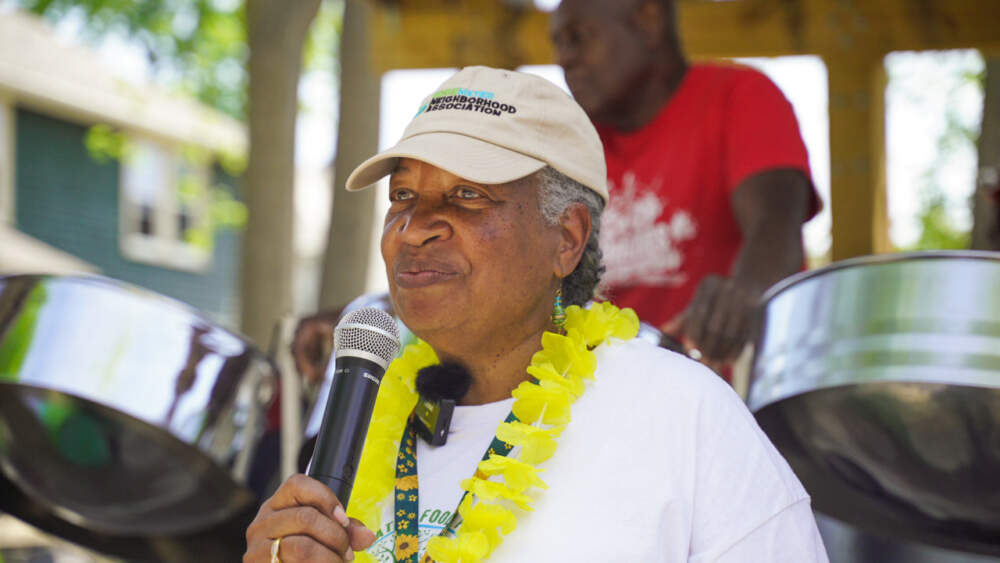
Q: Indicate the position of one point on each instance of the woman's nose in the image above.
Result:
(423, 224)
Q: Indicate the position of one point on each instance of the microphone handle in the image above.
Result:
(345, 424)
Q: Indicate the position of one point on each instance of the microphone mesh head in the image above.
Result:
(368, 333)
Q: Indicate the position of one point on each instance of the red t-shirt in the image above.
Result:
(669, 222)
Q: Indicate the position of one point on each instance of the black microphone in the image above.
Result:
(364, 343)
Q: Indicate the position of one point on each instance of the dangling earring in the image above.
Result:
(558, 313)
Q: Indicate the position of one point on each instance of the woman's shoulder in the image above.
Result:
(656, 385)
(637, 364)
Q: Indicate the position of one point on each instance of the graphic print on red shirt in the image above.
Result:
(669, 222)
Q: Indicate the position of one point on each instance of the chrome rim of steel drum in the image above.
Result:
(127, 419)
(878, 378)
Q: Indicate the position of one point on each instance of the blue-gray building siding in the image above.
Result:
(67, 199)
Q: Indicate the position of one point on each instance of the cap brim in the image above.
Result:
(463, 156)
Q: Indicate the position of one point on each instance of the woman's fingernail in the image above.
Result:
(349, 555)
(340, 516)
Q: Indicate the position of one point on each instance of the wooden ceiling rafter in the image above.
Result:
(451, 33)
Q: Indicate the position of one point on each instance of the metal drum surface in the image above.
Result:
(879, 380)
(125, 416)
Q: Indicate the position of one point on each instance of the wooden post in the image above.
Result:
(857, 154)
(986, 202)
(880, 218)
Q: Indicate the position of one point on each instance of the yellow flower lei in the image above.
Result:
(559, 370)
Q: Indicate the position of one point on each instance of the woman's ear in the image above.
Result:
(574, 225)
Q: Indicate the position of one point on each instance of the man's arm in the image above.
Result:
(770, 207)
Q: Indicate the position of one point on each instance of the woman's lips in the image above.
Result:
(413, 272)
(422, 278)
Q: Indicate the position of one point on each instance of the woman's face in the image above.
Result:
(466, 261)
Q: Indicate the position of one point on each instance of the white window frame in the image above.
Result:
(165, 246)
(7, 140)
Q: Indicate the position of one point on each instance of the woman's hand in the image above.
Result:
(310, 523)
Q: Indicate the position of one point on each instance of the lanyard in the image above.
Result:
(407, 495)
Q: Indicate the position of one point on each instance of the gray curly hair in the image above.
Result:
(556, 193)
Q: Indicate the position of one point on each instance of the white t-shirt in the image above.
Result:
(662, 462)
(439, 471)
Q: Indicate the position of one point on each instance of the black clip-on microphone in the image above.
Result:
(440, 388)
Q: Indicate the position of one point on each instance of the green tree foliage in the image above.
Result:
(196, 46)
(104, 144)
(322, 48)
(939, 229)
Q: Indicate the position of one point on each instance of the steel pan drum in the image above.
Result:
(128, 421)
(879, 380)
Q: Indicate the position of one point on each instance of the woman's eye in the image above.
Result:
(400, 195)
(467, 193)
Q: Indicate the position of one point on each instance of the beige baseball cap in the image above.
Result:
(494, 126)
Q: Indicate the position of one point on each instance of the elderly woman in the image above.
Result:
(573, 441)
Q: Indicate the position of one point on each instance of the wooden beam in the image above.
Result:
(774, 28)
(457, 33)
(470, 33)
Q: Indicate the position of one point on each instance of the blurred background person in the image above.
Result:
(708, 173)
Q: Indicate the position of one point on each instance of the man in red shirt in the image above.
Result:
(708, 173)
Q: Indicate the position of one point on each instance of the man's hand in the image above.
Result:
(770, 207)
(719, 320)
(311, 523)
